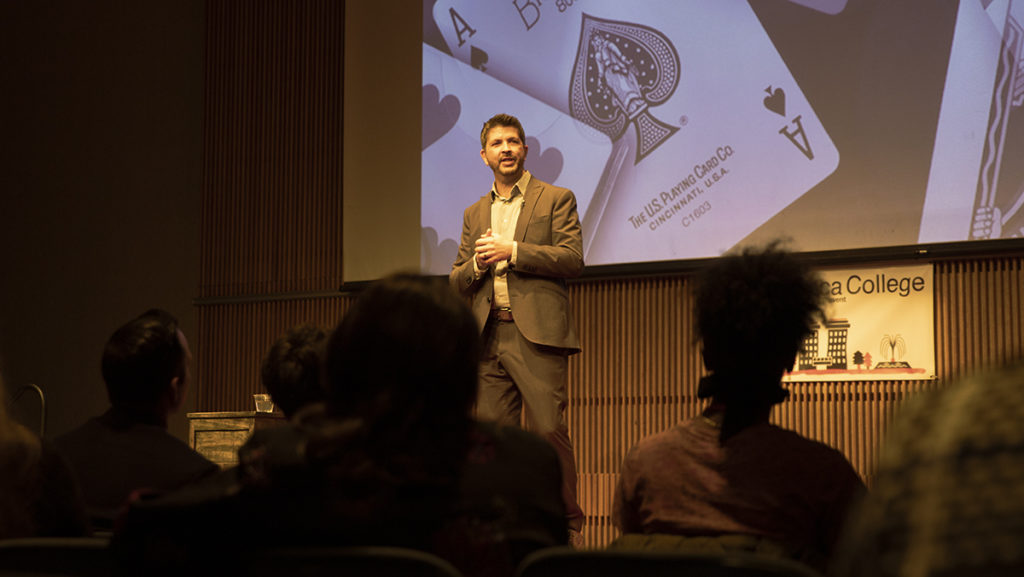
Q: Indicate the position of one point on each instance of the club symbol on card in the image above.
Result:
(478, 58)
(775, 101)
(621, 70)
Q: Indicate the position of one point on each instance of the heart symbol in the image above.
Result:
(439, 114)
(436, 255)
(547, 165)
(775, 101)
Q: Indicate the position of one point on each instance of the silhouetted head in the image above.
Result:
(753, 311)
(291, 369)
(146, 363)
(406, 354)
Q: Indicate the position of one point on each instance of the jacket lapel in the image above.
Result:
(483, 215)
(530, 198)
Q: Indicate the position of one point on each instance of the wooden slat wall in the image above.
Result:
(272, 136)
(271, 251)
(637, 375)
(271, 199)
(234, 338)
(979, 314)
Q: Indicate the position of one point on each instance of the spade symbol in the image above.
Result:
(478, 58)
(609, 91)
(775, 101)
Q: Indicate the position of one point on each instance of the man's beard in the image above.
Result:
(511, 169)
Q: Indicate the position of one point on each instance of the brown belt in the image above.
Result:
(503, 315)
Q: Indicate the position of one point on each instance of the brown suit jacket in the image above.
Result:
(550, 250)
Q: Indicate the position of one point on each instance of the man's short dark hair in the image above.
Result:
(141, 358)
(291, 369)
(501, 120)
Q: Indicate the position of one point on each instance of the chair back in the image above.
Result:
(349, 561)
(56, 556)
(565, 562)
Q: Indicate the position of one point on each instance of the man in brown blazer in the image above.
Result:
(520, 242)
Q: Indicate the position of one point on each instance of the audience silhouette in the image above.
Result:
(146, 368)
(729, 474)
(948, 497)
(291, 370)
(393, 457)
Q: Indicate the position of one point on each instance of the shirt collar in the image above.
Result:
(517, 188)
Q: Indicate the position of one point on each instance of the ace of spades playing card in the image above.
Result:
(711, 135)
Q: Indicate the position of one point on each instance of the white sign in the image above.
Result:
(880, 327)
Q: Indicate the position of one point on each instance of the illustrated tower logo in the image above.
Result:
(838, 331)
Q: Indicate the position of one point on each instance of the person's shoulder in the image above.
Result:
(679, 433)
(547, 187)
(200, 465)
(788, 437)
(275, 446)
(162, 436)
(177, 453)
(652, 455)
(816, 454)
(82, 434)
(654, 449)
